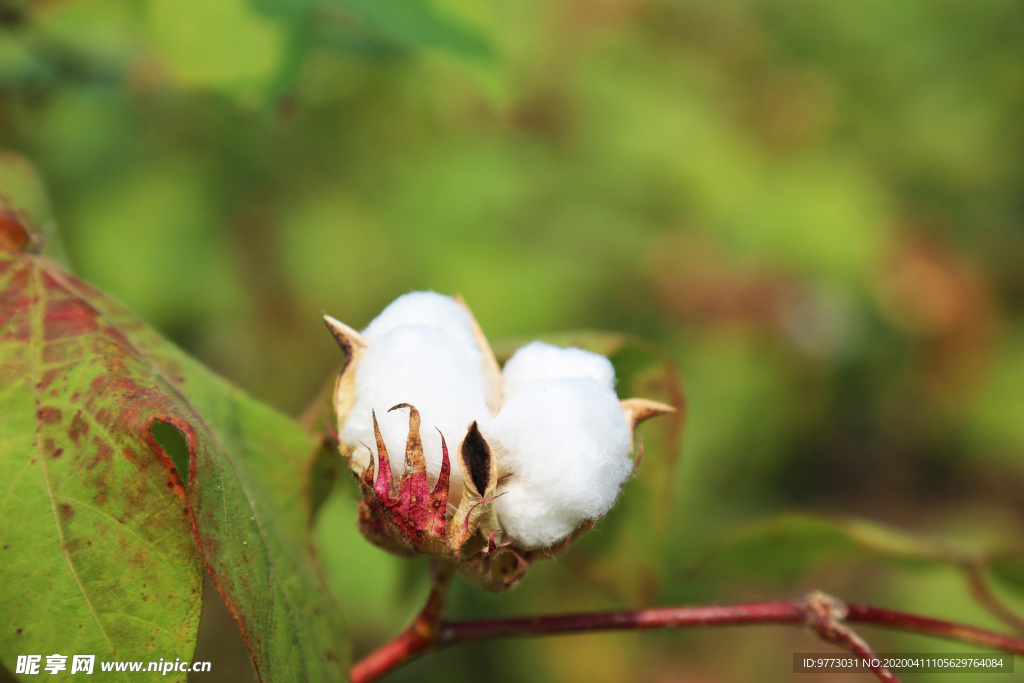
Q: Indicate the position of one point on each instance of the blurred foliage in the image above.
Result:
(794, 544)
(816, 208)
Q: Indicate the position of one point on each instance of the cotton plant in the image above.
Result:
(541, 448)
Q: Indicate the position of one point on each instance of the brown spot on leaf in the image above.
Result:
(67, 317)
(103, 450)
(78, 428)
(66, 511)
(18, 631)
(48, 415)
(13, 235)
(49, 376)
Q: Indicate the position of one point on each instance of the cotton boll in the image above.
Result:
(566, 444)
(436, 310)
(424, 367)
(530, 519)
(425, 308)
(538, 360)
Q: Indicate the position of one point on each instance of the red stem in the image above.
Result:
(420, 635)
(780, 612)
(948, 630)
(407, 645)
(828, 617)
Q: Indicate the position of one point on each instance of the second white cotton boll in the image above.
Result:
(424, 367)
(435, 310)
(529, 518)
(566, 443)
(539, 360)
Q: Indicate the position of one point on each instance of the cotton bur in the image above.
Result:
(500, 467)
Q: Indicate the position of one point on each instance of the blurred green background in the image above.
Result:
(815, 208)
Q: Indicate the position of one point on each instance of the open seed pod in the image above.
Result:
(412, 518)
(425, 505)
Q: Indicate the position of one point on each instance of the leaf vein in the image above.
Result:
(37, 337)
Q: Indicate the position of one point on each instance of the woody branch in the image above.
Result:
(828, 617)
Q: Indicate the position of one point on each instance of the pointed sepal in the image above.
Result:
(348, 339)
(638, 410)
(384, 485)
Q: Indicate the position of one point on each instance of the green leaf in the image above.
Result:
(102, 549)
(418, 24)
(782, 549)
(1009, 569)
(96, 548)
(250, 502)
(221, 44)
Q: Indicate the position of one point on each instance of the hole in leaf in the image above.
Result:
(175, 445)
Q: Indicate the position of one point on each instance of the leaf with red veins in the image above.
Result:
(97, 548)
(101, 550)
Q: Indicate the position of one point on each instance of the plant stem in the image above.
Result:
(828, 617)
(983, 594)
(417, 637)
(901, 621)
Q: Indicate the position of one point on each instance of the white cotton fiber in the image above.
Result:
(538, 360)
(435, 310)
(529, 518)
(423, 366)
(566, 443)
